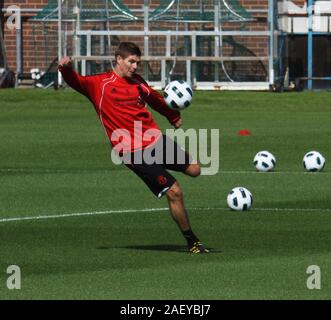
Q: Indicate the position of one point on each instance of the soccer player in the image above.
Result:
(119, 98)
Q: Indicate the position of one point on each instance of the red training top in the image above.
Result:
(121, 106)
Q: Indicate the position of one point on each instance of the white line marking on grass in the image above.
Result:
(270, 209)
(46, 171)
(294, 209)
(274, 172)
(112, 170)
(92, 213)
(79, 214)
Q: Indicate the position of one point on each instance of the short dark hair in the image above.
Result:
(127, 48)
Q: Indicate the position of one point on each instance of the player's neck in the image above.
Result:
(118, 72)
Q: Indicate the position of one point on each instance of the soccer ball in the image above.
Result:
(313, 161)
(264, 161)
(178, 95)
(36, 74)
(240, 199)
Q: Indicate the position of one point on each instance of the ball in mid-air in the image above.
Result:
(178, 94)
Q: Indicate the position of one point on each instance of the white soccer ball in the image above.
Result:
(240, 199)
(264, 161)
(178, 95)
(313, 161)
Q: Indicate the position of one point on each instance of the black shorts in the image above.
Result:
(152, 163)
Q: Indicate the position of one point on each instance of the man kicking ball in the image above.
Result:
(119, 98)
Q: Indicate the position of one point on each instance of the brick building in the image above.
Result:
(39, 45)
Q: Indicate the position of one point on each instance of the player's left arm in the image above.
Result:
(156, 102)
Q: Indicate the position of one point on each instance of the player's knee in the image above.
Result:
(193, 170)
(175, 192)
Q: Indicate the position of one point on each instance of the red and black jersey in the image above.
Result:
(121, 106)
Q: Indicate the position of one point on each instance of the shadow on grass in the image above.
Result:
(159, 247)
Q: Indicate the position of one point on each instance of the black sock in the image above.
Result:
(190, 237)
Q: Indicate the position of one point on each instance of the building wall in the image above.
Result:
(40, 43)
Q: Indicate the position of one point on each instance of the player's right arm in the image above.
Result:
(71, 77)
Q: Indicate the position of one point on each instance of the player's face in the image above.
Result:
(128, 66)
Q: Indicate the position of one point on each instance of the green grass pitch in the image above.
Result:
(122, 244)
